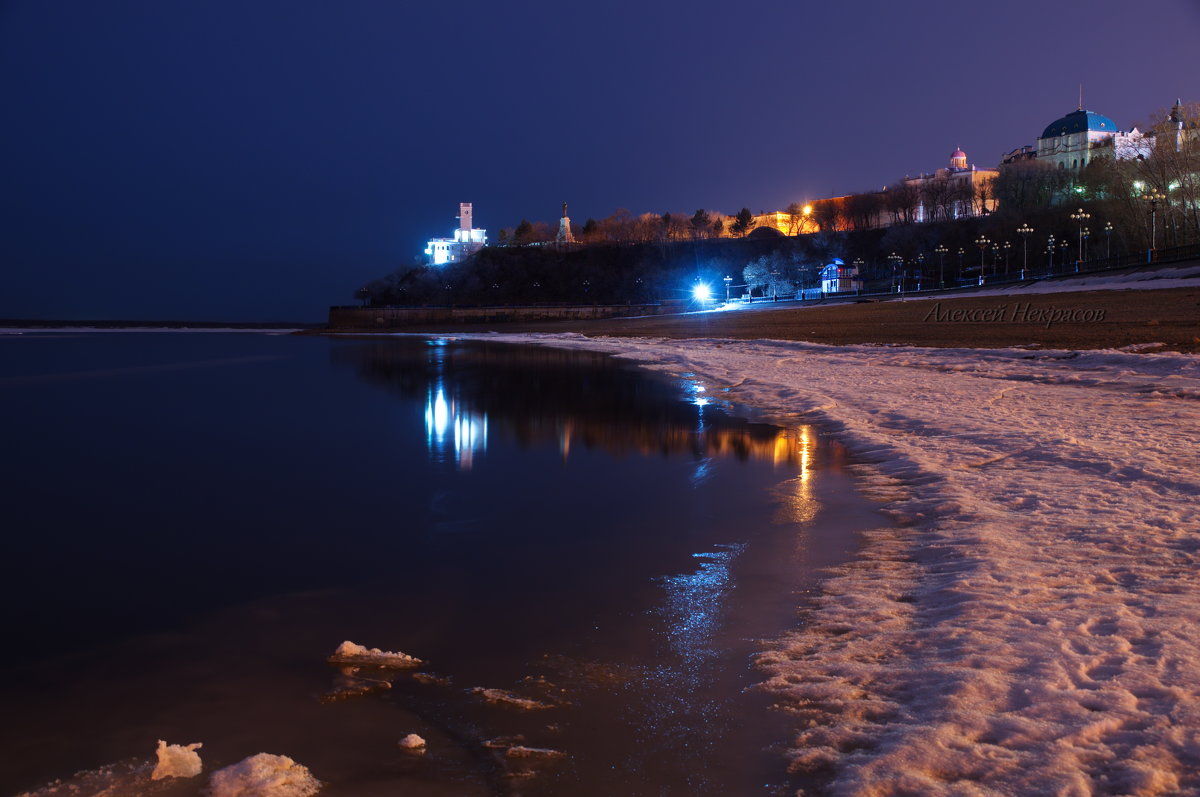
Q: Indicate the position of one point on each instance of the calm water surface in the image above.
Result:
(194, 521)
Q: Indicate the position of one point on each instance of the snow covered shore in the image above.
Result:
(1029, 625)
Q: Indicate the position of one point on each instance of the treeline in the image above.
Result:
(622, 227)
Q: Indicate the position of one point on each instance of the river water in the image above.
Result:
(585, 555)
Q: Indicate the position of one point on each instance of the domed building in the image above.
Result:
(1074, 140)
(954, 192)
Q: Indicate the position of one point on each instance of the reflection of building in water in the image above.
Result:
(785, 447)
(572, 400)
(448, 423)
(798, 504)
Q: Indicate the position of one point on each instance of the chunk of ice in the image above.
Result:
(264, 775)
(350, 653)
(412, 742)
(177, 761)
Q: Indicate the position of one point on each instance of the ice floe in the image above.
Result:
(350, 653)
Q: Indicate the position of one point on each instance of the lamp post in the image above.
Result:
(1079, 217)
(1007, 252)
(982, 242)
(961, 253)
(1154, 197)
(1108, 228)
(728, 282)
(1025, 231)
(995, 259)
(920, 269)
(896, 260)
(1083, 254)
(774, 280)
(1050, 250)
(941, 253)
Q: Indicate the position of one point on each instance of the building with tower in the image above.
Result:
(467, 240)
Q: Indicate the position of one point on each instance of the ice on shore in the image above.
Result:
(264, 775)
(1027, 625)
(177, 761)
(505, 698)
(350, 653)
(521, 751)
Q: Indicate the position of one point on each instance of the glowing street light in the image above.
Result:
(1108, 228)
(728, 281)
(982, 242)
(1025, 231)
(941, 251)
(1154, 197)
(702, 293)
(1050, 251)
(1080, 216)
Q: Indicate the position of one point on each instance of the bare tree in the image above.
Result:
(901, 201)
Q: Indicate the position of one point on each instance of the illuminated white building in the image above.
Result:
(837, 277)
(1080, 136)
(466, 241)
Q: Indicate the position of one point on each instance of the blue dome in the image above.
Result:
(1079, 122)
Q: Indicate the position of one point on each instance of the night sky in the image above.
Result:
(259, 160)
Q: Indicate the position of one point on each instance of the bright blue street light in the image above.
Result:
(702, 292)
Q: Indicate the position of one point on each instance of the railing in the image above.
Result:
(1154, 257)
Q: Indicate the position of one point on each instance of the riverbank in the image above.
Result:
(1108, 311)
(1028, 625)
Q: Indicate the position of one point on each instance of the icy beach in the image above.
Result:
(1028, 624)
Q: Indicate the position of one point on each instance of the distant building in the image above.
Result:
(785, 223)
(954, 192)
(467, 241)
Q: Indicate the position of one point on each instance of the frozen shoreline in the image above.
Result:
(1029, 625)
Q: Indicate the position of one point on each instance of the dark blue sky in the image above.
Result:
(260, 159)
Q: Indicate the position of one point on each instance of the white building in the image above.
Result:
(1081, 136)
(837, 277)
(467, 240)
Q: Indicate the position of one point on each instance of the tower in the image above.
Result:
(564, 228)
(465, 222)
(958, 159)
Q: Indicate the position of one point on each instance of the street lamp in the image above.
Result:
(1080, 216)
(1025, 230)
(774, 279)
(982, 242)
(920, 268)
(961, 253)
(1154, 197)
(941, 253)
(1007, 252)
(897, 260)
(728, 282)
(995, 258)
(1083, 254)
(1108, 228)
(1050, 251)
